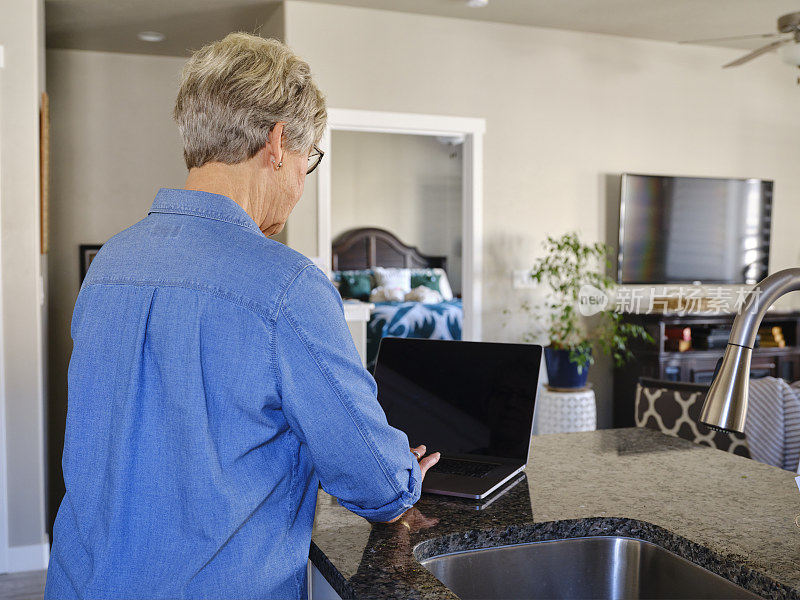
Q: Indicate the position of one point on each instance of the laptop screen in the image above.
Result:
(460, 397)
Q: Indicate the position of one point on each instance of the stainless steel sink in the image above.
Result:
(588, 567)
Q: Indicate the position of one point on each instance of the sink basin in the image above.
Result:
(589, 567)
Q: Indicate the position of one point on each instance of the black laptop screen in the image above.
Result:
(460, 397)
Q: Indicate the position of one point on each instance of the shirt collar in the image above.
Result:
(202, 204)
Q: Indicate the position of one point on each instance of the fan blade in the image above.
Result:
(730, 39)
(757, 53)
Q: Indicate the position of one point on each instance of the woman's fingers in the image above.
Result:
(427, 462)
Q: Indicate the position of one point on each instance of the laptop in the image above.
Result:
(485, 504)
(471, 401)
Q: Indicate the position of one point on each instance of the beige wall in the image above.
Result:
(22, 80)
(114, 145)
(408, 184)
(562, 110)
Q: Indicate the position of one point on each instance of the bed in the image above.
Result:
(370, 249)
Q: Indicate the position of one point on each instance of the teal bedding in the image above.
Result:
(442, 321)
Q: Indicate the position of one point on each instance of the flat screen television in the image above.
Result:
(693, 229)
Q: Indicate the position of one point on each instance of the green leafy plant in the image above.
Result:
(567, 266)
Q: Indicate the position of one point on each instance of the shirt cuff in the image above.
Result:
(396, 507)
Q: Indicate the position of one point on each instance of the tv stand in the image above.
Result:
(697, 366)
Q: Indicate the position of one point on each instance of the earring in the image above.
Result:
(278, 166)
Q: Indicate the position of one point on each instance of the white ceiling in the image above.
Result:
(666, 20)
(112, 24)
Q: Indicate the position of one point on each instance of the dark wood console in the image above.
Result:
(697, 366)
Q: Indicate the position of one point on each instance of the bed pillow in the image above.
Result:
(393, 278)
(444, 285)
(426, 278)
(439, 275)
(354, 284)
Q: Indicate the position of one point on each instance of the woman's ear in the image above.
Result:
(274, 145)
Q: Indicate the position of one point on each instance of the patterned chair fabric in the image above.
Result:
(674, 408)
(773, 422)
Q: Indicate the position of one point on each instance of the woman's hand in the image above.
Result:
(425, 463)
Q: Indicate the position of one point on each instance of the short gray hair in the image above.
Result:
(232, 93)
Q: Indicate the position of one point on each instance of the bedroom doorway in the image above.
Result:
(444, 132)
(407, 185)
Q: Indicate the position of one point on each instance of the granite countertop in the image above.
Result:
(732, 515)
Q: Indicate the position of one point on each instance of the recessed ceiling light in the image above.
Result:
(477, 3)
(151, 36)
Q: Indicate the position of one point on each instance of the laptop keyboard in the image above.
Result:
(467, 468)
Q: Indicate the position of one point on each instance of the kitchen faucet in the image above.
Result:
(725, 407)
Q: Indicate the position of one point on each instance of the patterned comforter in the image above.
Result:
(442, 321)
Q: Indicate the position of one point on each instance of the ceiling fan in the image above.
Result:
(789, 42)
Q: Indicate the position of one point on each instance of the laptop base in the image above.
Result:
(476, 488)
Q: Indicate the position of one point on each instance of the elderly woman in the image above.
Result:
(213, 382)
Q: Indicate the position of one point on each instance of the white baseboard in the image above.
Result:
(28, 558)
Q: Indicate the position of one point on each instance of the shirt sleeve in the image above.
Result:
(330, 402)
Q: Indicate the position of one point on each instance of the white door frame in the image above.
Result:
(3, 452)
(472, 189)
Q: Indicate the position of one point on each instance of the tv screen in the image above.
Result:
(693, 229)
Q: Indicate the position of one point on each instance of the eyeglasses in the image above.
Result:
(314, 159)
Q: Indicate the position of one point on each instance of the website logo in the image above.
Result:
(591, 300)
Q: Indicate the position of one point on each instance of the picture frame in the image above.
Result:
(87, 254)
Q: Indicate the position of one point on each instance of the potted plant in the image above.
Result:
(576, 305)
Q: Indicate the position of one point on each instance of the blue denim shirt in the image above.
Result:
(213, 385)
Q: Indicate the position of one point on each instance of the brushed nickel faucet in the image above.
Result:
(725, 407)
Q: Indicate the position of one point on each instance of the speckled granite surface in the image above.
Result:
(731, 515)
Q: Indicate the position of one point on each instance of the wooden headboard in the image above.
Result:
(372, 247)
